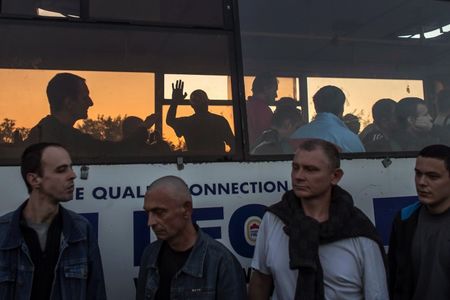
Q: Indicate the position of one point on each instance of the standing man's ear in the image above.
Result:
(34, 180)
(336, 176)
(187, 207)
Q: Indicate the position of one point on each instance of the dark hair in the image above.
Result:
(263, 81)
(283, 113)
(330, 150)
(382, 108)
(329, 99)
(62, 85)
(407, 107)
(31, 160)
(443, 100)
(440, 152)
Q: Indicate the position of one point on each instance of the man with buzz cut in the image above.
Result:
(184, 263)
(48, 252)
(314, 244)
(419, 248)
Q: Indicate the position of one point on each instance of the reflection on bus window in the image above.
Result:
(373, 102)
(82, 110)
(264, 90)
(193, 126)
(328, 124)
(114, 114)
(47, 8)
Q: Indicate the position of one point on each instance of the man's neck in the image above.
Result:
(184, 241)
(39, 210)
(64, 118)
(317, 208)
(440, 208)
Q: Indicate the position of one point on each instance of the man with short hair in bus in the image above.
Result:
(378, 136)
(47, 251)
(419, 246)
(286, 119)
(259, 114)
(328, 125)
(414, 124)
(314, 243)
(184, 263)
(68, 96)
(204, 132)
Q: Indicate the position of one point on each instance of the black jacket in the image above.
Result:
(401, 280)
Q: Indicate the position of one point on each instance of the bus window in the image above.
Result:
(108, 87)
(196, 126)
(171, 12)
(386, 50)
(263, 103)
(46, 8)
(182, 12)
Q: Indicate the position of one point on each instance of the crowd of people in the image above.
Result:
(312, 244)
(273, 126)
(405, 125)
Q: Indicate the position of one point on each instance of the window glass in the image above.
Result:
(46, 8)
(385, 50)
(185, 12)
(202, 119)
(109, 95)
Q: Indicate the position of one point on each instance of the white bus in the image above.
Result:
(131, 52)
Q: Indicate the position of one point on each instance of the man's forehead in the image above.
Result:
(316, 153)
(55, 156)
(430, 164)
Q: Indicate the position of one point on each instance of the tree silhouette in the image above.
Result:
(104, 128)
(10, 134)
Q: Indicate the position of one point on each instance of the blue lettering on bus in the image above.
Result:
(238, 188)
(385, 210)
(79, 193)
(141, 235)
(93, 219)
(99, 193)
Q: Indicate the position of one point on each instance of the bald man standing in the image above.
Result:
(184, 262)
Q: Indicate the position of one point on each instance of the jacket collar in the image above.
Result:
(13, 238)
(196, 260)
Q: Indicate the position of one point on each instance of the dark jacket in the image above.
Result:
(401, 280)
(78, 273)
(210, 272)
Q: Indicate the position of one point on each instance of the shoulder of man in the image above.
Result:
(216, 248)
(6, 218)
(79, 222)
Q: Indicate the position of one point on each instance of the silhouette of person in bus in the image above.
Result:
(441, 124)
(352, 122)
(378, 136)
(286, 119)
(414, 124)
(135, 137)
(259, 114)
(204, 132)
(68, 96)
(328, 125)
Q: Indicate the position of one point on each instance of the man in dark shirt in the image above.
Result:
(69, 100)
(47, 251)
(184, 263)
(377, 136)
(204, 132)
(419, 248)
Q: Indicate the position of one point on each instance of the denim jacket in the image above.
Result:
(78, 272)
(210, 272)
